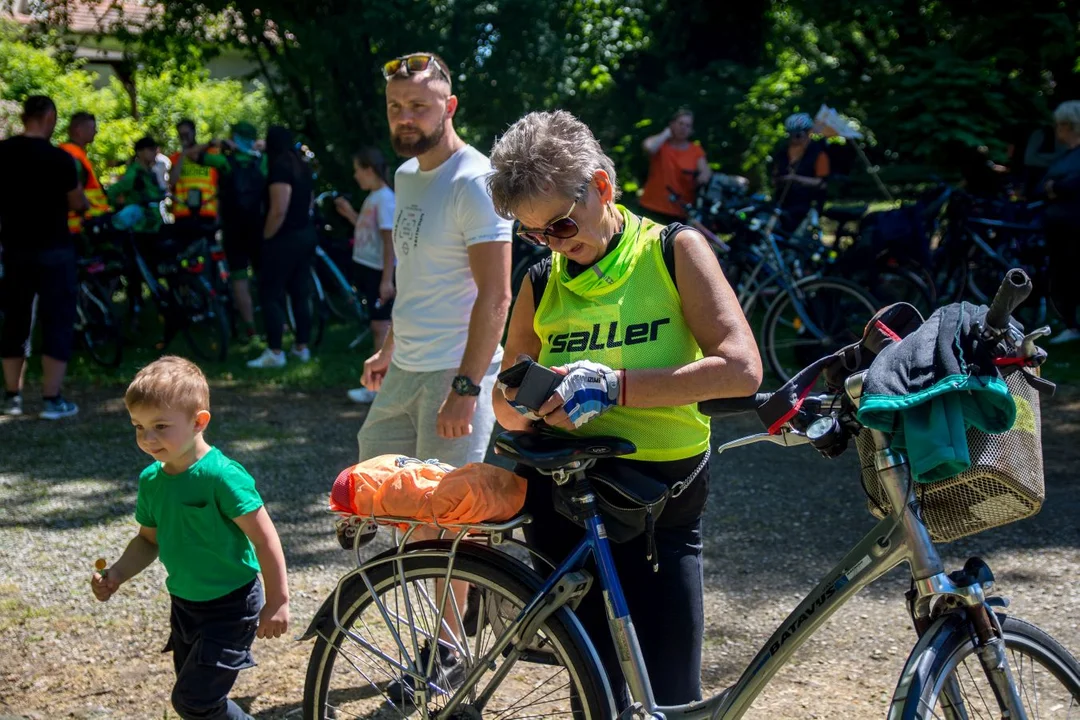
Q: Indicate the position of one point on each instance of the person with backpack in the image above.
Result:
(242, 173)
(640, 323)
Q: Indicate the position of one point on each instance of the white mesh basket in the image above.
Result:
(1004, 483)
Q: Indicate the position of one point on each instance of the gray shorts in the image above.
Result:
(402, 419)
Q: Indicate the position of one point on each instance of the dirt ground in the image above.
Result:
(777, 521)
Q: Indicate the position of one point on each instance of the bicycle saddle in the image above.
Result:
(548, 451)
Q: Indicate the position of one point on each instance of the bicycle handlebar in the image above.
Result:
(723, 407)
(1014, 290)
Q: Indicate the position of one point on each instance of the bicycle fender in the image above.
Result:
(352, 585)
(922, 657)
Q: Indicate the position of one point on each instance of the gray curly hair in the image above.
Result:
(545, 153)
(1068, 113)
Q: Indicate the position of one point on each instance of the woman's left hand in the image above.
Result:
(588, 391)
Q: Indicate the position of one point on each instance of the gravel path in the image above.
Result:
(778, 520)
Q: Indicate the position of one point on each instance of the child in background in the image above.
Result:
(200, 512)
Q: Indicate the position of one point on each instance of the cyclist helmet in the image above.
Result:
(799, 122)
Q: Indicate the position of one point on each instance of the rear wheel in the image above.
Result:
(833, 314)
(385, 623)
(97, 323)
(206, 327)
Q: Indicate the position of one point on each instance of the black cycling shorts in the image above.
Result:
(367, 281)
(51, 276)
(242, 242)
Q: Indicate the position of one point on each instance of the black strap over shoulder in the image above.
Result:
(538, 278)
(667, 247)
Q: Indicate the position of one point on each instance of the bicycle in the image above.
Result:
(179, 288)
(97, 323)
(409, 591)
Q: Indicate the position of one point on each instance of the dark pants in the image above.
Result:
(367, 281)
(286, 268)
(667, 606)
(52, 277)
(211, 644)
(1063, 248)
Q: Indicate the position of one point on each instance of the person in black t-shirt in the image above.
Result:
(37, 188)
(288, 243)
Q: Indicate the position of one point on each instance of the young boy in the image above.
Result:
(200, 511)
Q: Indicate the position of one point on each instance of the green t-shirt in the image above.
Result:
(205, 553)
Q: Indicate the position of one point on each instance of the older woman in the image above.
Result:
(1062, 187)
(643, 322)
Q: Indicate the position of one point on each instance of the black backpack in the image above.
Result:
(243, 189)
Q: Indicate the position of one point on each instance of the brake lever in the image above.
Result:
(786, 438)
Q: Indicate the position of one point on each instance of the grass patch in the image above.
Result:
(333, 364)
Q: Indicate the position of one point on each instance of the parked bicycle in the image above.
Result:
(525, 652)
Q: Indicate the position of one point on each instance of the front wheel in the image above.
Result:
(811, 319)
(391, 613)
(946, 679)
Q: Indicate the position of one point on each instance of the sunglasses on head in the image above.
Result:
(561, 228)
(413, 64)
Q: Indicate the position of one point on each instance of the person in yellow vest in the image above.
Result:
(640, 321)
(194, 187)
(82, 129)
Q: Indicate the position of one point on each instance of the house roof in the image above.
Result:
(84, 16)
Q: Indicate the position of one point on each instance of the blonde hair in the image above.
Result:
(1068, 113)
(169, 382)
(545, 153)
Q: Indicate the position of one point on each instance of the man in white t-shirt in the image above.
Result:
(435, 372)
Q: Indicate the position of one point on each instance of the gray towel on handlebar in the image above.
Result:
(929, 387)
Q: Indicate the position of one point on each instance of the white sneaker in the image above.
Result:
(362, 396)
(1069, 335)
(301, 355)
(269, 359)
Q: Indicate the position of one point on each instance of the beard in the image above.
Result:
(421, 143)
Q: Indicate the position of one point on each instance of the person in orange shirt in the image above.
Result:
(800, 171)
(675, 165)
(194, 188)
(82, 129)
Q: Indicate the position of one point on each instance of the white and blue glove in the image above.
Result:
(588, 391)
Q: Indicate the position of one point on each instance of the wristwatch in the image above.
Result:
(462, 385)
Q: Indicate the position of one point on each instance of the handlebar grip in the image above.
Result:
(1014, 290)
(733, 406)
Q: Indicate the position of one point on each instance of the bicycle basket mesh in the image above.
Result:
(1004, 483)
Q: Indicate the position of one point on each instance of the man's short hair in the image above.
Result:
(186, 122)
(81, 118)
(37, 107)
(145, 143)
(170, 382)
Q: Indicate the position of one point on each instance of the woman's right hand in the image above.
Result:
(375, 368)
(105, 584)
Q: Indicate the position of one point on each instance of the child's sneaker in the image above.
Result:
(57, 408)
(12, 405)
(269, 359)
(301, 355)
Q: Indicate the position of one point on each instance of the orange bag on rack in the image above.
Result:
(401, 486)
(355, 488)
(478, 493)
